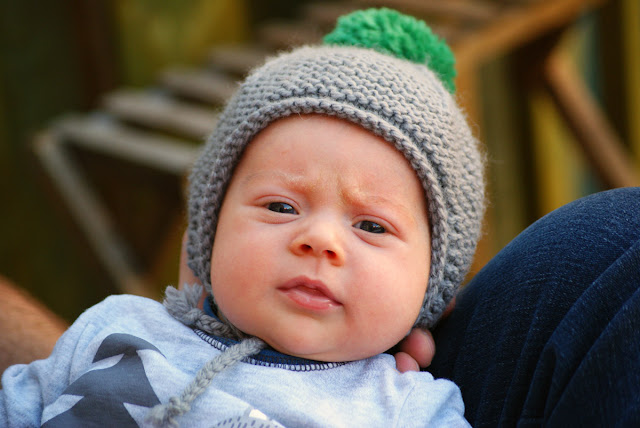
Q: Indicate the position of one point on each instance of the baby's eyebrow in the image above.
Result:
(365, 199)
(351, 196)
(287, 178)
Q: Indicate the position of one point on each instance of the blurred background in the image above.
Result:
(103, 105)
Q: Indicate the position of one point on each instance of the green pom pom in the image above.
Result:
(403, 36)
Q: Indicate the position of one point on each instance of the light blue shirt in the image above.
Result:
(127, 354)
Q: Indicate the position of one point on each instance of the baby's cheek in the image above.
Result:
(394, 321)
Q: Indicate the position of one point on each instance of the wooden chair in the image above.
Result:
(158, 129)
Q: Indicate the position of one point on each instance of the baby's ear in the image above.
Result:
(185, 274)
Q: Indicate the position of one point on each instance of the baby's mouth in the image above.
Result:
(309, 294)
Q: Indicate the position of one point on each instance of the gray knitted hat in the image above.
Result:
(387, 73)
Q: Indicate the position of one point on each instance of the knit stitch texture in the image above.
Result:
(391, 32)
(403, 102)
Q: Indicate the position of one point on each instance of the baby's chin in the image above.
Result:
(319, 346)
(315, 352)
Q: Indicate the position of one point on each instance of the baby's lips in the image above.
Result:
(311, 294)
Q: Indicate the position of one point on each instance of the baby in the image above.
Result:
(336, 205)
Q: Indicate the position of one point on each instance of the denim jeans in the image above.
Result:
(548, 333)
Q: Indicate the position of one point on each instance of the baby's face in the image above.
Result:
(322, 247)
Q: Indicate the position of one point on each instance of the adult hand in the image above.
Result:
(418, 348)
(28, 330)
(416, 351)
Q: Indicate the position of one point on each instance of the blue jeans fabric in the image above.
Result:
(548, 333)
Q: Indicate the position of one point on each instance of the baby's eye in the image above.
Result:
(281, 207)
(370, 226)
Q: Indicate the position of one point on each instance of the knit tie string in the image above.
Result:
(182, 305)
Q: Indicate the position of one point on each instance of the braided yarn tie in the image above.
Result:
(182, 305)
(164, 415)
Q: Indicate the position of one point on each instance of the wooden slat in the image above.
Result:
(515, 27)
(237, 59)
(630, 31)
(284, 34)
(202, 85)
(463, 10)
(325, 14)
(161, 112)
(90, 215)
(599, 141)
(449, 31)
(443, 16)
(116, 140)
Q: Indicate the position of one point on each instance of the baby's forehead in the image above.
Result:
(297, 141)
(314, 152)
(323, 127)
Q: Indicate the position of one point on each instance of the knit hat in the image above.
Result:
(383, 71)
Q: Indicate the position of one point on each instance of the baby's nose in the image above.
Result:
(321, 239)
